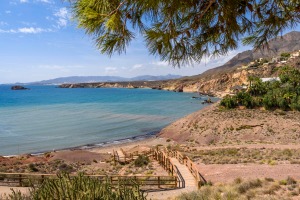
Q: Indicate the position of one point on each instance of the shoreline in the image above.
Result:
(97, 145)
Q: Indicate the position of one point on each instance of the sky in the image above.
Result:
(39, 40)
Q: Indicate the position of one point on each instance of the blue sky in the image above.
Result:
(39, 41)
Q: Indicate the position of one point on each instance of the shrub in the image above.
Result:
(228, 102)
(245, 186)
(65, 168)
(141, 161)
(283, 103)
(245, 99)
(83, 187)
(269, 179)
(290, 181)
(269, 101)
(285, 55)
(33, 168)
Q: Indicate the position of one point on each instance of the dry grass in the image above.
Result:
(246, 155)
(257, 189)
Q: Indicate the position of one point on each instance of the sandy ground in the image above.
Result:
(226, 173)
(134, 146)
(214, 172)
(212, 126)
(7, 190)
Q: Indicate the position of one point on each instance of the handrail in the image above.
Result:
(21, 179)
(190, 165)
(180, 177)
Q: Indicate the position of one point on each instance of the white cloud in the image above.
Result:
(45, 1)
(160, 63)
(26, 30)
(111, 70)
(24, 1)
(63, 17)
(30, 30)
(2, 23)
(137, 66)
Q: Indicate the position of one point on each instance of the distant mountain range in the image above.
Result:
(92, 79)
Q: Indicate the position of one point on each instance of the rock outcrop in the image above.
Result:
(19, 87)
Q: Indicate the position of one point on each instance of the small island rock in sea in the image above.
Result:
(18, 87)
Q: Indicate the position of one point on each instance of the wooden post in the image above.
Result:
(114, 157)
(20, 180)
(43, 178)
(158, 180)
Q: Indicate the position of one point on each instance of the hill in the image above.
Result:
(212, 126)
(220, 81)
(92, 79)
(286, 43)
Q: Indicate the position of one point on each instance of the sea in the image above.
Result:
(47, 118)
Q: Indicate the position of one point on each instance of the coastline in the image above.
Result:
(97, 145)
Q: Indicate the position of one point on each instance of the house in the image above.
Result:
(271, 79)
(295, 54)
(275, 60)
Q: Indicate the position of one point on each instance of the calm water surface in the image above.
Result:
(46, 118)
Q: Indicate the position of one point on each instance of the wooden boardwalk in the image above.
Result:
(121, 156)
(190, 182)
(189, 179)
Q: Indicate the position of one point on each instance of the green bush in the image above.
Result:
(228, 102)
(269, 101)
(283, 94)
(33, 168)
(141, 161)
(82, 187)
(285, 55)
(245, 99)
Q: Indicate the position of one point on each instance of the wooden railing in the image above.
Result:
(28, 180)
(189, 163)
(164, 160)
(128, 157)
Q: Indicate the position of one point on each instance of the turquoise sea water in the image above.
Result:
(46, 118)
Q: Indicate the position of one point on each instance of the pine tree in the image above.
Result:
(183, 31)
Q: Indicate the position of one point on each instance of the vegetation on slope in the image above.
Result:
(283, 94)
(268, 156)
(258, 189)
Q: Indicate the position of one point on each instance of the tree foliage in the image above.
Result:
(182, 32)
(283, 94)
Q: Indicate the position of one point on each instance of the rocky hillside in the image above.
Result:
(212, 126)
(287, 43)
(219, 81)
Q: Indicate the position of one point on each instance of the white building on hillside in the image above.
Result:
(270, 79)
